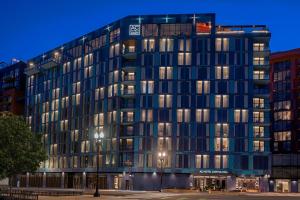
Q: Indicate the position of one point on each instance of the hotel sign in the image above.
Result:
(134, 29)
(213, 172)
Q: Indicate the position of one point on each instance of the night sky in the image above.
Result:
(30, 27)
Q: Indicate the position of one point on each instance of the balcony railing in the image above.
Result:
(127, 92)
(261, 77)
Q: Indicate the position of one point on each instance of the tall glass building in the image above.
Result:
(178, 84)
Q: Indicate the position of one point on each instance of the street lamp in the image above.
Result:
(161, 156)
(99, 138)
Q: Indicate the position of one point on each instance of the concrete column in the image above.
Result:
(44, 179)
(62, 180)
(230, 183)
(263, 184)
(27, 179)
(294, 185)
(271, 185)
(83, 180)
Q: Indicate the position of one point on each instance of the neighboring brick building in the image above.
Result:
(285, 104)
(12, 88)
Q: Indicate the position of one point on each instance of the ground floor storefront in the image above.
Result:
(284, 185)
(144, 181)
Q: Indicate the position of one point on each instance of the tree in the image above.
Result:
(21, 150)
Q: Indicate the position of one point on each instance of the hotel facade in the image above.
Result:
(178, 84)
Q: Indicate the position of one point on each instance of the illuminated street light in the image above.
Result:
(161, 156)
(98, 138)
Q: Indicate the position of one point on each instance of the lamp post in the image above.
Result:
(99, 138)
(161, 156)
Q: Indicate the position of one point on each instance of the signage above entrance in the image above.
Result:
(134, 29)
(213, 172)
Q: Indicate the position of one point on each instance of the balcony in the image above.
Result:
(128, 78)
(129, 49)
(49, 63)
(261, 92)
(261, 78)
(32, 70)
(127, 120)
(129, 52)
(128, 91)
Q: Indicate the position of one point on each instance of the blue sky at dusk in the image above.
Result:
(31, 27)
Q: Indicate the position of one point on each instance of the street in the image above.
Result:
(181, 196)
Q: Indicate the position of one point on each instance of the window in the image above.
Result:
(258, 131)
(240, 115)
(222, 44)
(147, 87)
(282, 105)
(258, 117)
(221, 129)
(259, 75)
(221, 144)
(202, 161)
(258, 46)
(282, 136)
(258, 145)
(259, 61)
(149, 30)
(282, 115)
(148, 45)
(146, 115)
(202, 115)
(165, 72)
(222, 72)
(166, 44)
(258, 103)
(184, 59)
(183, 115)
(165, 101)
(175, 29)
(114, 50)
(221, 101)
(88, 59)
(203, 87)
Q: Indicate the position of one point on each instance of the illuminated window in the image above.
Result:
(282, 136)
(148, 45)
(184, 59)
(258, 145)
(282, 105)
(258, 61)
(183, 115)
(166, 44)
(114, 50)
(221, 101)
(259, 75)
(221, 129)
(165, 101)
(202, 115)
(222, 72)
(258, 117)
(146, 115)
(147, 87)
(282, 115)
(258, 103)
(258, 46)
(202, 161)
(165, 72)
(88, 59)
(203, 87)
(222, 44)
(240, 115)
(258, 131)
